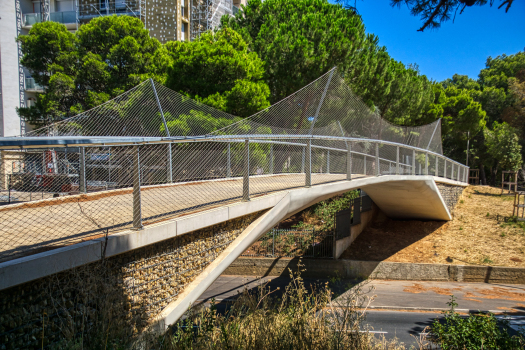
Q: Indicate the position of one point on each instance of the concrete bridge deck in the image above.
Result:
(31, 227)
(401, 196)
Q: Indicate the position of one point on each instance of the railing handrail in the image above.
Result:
(76, 141)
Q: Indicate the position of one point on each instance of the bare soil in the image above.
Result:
(477, 235)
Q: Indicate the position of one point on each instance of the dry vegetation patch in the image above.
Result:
(477, 235)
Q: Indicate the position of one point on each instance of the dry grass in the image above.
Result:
(477, 235)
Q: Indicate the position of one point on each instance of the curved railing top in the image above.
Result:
(325, 107)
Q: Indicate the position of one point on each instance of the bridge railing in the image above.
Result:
(59, 191)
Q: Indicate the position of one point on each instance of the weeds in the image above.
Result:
(321, 216)
(487, 260)
(477, 331)
(297, 319)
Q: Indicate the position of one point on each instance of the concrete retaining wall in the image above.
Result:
(342, 244)
(326, 268)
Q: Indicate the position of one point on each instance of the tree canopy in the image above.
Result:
(104, 58)
(433, 12)
(301, 40)
(219, 70)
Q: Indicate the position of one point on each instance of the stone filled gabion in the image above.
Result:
(125, 292)
(450, 194)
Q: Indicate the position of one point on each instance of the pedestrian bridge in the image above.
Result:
(136, 178)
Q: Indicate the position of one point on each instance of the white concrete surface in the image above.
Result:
(9, 120)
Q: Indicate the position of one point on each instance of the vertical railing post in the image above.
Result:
(308, 173)
(328, 162)
(459, 173)
(137, 205)
(82, 176)
(436, 172)
(349, 162)
(229, 161)
(445, 170)
(426, 163)
(302, 161)
(397, 160)
(378, 169)
(246, 172)
(413, 162)
(452, 171)
(170, 164)
(271, 158)
(273, 243)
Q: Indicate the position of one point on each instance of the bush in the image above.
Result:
(477, 331)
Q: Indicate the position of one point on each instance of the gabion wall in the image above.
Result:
(116, 297)
(450, 194)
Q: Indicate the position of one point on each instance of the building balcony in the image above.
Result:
(31, 86)
(107, 8)
(69, 18)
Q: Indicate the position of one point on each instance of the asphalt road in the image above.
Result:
(398, 309)
(405, 326)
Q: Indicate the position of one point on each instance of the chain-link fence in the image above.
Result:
(152, 154)
(289, 243)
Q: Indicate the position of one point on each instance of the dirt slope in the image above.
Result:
(478, 235)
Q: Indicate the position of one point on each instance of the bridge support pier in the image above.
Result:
(137, 201)
(246, 172)
(308, 172)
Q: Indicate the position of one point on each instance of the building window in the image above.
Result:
(37, 7)
(183, 31)
(184, 9)
(64, 5)
(31, 102)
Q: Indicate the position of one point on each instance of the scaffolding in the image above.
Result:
(206, 15)
(88, 9)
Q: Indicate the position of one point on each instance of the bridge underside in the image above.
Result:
(401, 197)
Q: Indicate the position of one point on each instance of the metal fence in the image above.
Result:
(119, 165)
(291, 243)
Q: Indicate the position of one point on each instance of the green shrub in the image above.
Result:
(476, 331)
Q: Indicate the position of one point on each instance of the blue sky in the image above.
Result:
(461, 47)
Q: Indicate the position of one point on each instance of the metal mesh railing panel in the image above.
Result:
(167, 155)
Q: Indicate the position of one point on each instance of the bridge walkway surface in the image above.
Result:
(56, 222)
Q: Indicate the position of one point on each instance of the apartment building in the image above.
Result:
(166, 20)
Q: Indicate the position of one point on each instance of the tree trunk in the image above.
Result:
(482, 176)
